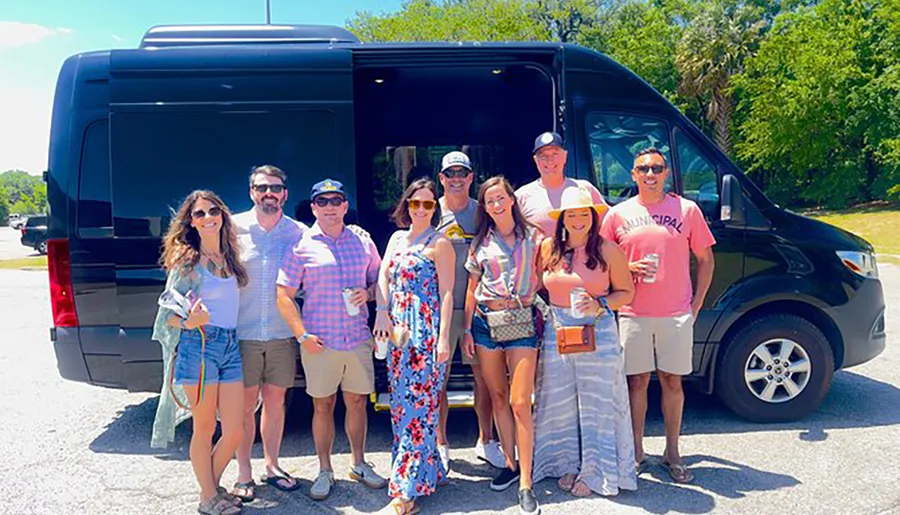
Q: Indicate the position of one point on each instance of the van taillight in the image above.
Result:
(62, 299)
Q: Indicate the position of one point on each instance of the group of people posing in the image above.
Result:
(525, 281)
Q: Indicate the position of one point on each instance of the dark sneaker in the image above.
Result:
(528, 504)
(504, 479)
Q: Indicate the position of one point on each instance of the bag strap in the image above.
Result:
(200, 387)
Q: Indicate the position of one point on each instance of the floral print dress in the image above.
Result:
(415, 376)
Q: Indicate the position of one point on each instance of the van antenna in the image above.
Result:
(268, 12)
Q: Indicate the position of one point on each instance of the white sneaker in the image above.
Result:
(365, 474)
(321, 488)
(444, 453)
(491, 453)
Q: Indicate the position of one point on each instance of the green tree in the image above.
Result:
(713, 49)
(4, 204)
(24, 193)
(450, 20)
(820, 104)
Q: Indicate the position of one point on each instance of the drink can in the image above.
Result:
(351, 309)
(654, 258)
(574, 297)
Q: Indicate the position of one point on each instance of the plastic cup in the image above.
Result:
(381, 348)
(351, 309)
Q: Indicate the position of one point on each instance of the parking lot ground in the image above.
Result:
(70, 448)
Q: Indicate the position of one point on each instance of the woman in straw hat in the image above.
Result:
(582, 418)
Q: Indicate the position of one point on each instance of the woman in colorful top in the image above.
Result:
(503, 264)
(200, 255)
(582, 417)
(415, 306)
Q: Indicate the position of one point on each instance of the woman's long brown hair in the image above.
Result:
(483, 220)
(594, 247)
(181, 245)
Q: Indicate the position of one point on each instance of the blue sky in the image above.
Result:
(36, 36)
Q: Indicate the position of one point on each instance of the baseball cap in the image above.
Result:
(326, 186)
(548, 139)
(456, 158)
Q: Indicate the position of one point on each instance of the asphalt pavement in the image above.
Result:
(70, 448)
(10, 245)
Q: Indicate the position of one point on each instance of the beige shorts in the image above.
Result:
(270, 362)
(664, 344)
(352, 370)
(457, 329)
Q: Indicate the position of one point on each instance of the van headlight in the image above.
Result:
(862, 263)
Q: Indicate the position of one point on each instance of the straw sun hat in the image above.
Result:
(575, 198)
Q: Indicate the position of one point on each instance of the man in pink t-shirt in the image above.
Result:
(658, 232)
(536, 199)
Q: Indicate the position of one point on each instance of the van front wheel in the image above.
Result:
(776, 369)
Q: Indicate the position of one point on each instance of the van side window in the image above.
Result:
(94, 197)
(698, 176)
(614, 140)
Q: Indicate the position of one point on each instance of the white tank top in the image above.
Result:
(221, 299)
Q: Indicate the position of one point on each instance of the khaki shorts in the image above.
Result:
(352, 370)
(271, 362)
(457, 330)
(664, 344)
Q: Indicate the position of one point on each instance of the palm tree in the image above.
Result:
(712, 49)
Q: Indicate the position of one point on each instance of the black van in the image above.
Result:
(135, 130)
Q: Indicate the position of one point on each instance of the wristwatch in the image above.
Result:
(468, 330)
(303, 337)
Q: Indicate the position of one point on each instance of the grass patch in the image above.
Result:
(29, 262)
(876, 223)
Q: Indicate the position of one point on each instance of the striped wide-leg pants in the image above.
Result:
(582, 420)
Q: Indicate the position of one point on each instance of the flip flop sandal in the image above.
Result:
(244, 491)
(402, 508)
(567, 487)
(679, 473)
(581, 489)
(218, 505)
(280, 476)
(641, 467)
(233, 499)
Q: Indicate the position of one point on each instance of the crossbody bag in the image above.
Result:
(513, 323)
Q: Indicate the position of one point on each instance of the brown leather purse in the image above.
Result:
(575, 339)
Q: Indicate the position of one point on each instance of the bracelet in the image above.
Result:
(302, 338)
(467, 330)
(604, 304)
(181, 323)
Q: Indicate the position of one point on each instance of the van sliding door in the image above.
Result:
(200, 118)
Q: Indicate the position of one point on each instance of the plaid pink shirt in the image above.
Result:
(324, 267)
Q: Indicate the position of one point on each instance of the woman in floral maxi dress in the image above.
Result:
(414, 310)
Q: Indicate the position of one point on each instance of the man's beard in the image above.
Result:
(269, 208)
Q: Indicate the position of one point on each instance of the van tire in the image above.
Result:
(735, 371)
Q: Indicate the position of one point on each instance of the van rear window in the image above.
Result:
(94, 197)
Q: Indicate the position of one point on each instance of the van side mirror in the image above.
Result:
(732, 200)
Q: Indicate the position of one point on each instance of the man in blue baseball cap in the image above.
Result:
(536, 199)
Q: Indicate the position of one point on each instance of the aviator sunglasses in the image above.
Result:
(453, 173)
(416, 204)
(213, 211)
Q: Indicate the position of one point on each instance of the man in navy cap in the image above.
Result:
(337, 268)
(536, 199)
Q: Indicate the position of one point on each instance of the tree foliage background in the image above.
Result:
(804, 95)
(21, 193)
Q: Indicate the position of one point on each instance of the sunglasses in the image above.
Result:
(416, 204)
(334, 201)
(274, 188)
(213, 211)
(453, 173)
(645, 169)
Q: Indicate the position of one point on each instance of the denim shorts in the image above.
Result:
(222, 358)
(481, 333)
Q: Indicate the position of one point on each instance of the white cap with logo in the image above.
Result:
(456, 158)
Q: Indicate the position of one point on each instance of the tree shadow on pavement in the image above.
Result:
(853, 401)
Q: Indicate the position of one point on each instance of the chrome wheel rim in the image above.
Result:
(777, 370)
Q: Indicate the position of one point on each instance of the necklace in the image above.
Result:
(212, 264)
